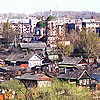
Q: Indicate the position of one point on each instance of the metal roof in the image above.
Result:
(70, 60)
(30, 76)
(35, 45)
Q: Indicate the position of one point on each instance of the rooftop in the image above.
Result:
(30, 76)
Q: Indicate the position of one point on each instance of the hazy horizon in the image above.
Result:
(32, 6)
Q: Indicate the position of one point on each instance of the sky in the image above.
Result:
(31, 6)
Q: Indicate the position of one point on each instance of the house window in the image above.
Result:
(84, 81)
(81, 82)
(93, 81)
(88, 82)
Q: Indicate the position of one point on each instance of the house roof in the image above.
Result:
(84, 72)
(39, 56)
(96, 76)
(30, 76)
(22, 56)
(77, 74)
(67, 65)
(3, 55)
(71, 60)
(15, 55)
(24, 65)
(46, 61)
(35, 45)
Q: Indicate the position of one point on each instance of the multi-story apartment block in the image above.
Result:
(23, 26)
(56, 31)
(52, 32)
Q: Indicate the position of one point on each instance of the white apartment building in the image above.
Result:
(91, 24)
(56, 29)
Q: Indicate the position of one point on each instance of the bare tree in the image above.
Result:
(8, 31)
(88, 42)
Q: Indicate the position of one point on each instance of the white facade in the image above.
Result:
(34, 61)
(43, 83)
(90, 24)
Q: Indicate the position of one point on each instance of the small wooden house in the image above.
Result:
(85, 79)
(24, 59)
(73, 61)
(80, 78)
(35, 60)
(35, 80)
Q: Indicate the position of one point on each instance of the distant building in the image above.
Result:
(23, 26)
(35, 80)
(35, 46)
(91, 25)
(35, 60)
(70, 27)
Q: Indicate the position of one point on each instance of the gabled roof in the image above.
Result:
(14, 56)
(76, 74)
(38, 56)
(22, 56)
(71, 60)
(37, 77)
(84, 72)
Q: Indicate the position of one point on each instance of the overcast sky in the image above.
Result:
(31, 6)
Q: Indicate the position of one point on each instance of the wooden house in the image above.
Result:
(24, 59)
(73, 61)
(80, 78)
(16, 58)
(35, 80)
(85, 79)
(70, 63)
(35, 60)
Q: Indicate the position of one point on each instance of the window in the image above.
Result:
(84, 82)
(80, 82)
(88, 81)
